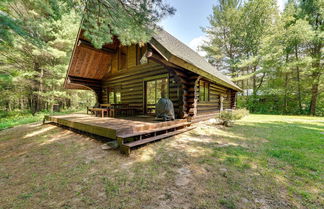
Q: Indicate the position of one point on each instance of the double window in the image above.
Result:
(203, 91)
(114, 97)
(155, 89)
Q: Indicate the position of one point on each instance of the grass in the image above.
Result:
(14, 118)
(293, 152)
(264, 161)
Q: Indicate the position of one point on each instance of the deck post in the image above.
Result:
(122, 148)
(221, 101)
(196, 96)
(120, 141)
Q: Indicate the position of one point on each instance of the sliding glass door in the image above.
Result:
(154, 90)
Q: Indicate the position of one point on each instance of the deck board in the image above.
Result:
(110, 127)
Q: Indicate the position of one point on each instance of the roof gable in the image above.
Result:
(180, 54)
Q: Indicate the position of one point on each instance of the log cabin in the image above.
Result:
(141, 75)
(138, 76)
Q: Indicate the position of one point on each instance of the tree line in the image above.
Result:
(37, 37)
(274, 56)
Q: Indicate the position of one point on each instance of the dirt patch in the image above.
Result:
(183, 177)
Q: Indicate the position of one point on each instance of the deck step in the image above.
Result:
(124, 136)
(125, 148)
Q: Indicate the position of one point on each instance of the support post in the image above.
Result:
(221, 101)
(122, 148)
(196, 95)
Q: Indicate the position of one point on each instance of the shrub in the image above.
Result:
(228, 116)
(240, 113)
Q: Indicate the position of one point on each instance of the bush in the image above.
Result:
(240, 113)
(228, 116)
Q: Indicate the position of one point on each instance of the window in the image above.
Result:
(122, 58)
(155, 90)
(203, 91)
(114, 97)
(141, 55)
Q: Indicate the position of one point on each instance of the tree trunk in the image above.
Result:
(40, 90)
(312, 108)
(316, 54)
(285, 102)
(254, 81)
(285, 109)
(298, 82)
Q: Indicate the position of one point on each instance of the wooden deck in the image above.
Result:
(111, 127)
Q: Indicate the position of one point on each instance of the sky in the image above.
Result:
(190, 16)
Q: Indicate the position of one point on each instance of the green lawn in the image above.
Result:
(264, 161)
(293, 152)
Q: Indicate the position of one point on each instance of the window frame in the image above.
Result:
(204, 87)
(114, 93)
(155, 79)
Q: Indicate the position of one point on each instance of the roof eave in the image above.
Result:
(65, 85)
(182, 63)
(178, 61)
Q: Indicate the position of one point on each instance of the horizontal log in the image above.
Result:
(126, 92)
(158, 69)
(207, 104)
(209, 111)
(89, 45)
(132, 101)
(127, 98)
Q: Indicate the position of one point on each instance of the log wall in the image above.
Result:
(130, 82)
(215, 92)
(131, 85)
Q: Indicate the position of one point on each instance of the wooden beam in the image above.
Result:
(159, 59)
(90, 46)
(85, 81)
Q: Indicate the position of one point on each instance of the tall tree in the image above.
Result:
(235, 34)
(313, 11)
(34, 65)
(224, 33)
(257, 17)
(133, 21)
(275, 56)
(37, 36)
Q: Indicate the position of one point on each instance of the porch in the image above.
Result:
(135, 130)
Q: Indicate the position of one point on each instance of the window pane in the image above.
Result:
(206, 91)
(118, 97)
(111, 97)
(164, 88)
(158, 90)
(154, 91)
(201, 91)
(150, 92)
